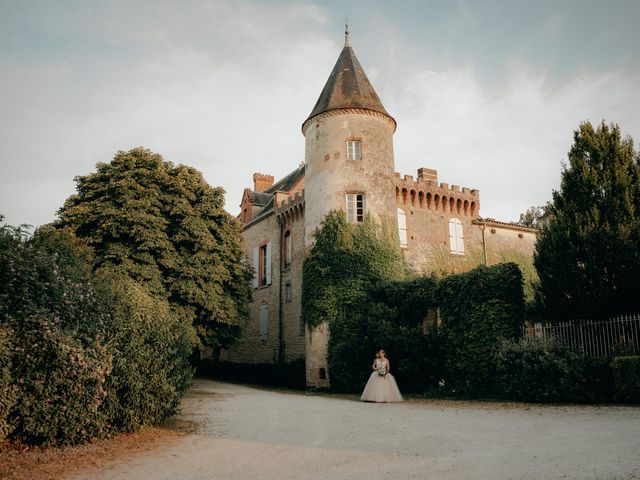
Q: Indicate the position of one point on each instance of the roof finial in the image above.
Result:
(346, 33)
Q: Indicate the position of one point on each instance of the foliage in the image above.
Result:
(531, 217)
(60, 383)
(345, 261)
(166, 228)
(87, 357)
(7, 389)
(588, 255)
(478, 309)
(541, 370)
(150, 349)
(626, 373)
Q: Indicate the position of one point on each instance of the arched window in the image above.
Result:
(402, 227)
(456, 237)
(286, 249)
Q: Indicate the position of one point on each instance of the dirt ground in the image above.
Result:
(249, 433)
(230, 431)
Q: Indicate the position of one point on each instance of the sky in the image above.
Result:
(488, 93)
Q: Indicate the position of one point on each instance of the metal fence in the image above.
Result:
(594, 339)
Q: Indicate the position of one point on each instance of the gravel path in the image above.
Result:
(249, 433)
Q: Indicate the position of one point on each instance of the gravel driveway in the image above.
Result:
(249, 433)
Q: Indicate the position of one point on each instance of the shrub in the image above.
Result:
(479, 309)
(541, 370)
(60, 383)
(626, 374)
(7, 390)
(150, 347)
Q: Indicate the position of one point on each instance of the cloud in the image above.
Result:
(507, 142)
(225, 86)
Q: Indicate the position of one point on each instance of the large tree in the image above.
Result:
(165, 227)
(588, 255)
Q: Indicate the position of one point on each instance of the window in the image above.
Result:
(402, 227)
(301, 332)
(287, 292)
(287, 249)
(263, 322)
(262, 265)
(354, 152)
(355, 207)
(456, 238)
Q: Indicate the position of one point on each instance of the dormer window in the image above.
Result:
(354, 150)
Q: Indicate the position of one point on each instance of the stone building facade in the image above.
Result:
(349, 166)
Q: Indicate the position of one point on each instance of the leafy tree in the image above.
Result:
(588, 255)
(531, 217)
(166, 228)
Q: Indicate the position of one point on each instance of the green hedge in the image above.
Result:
(7, 390)
(479, 309)
(81, 358)
(538, 371)
(541, 370)
(149, 348)
(60, 382)
(626, 374)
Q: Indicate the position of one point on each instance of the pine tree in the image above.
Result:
(588, 255)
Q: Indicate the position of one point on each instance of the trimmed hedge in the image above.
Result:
(541, 370)
(479, 309)
(537, 371)
(626, 374)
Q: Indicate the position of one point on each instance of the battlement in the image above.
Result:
(292, 208)
(426, 192)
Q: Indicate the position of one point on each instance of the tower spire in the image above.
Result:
(347, 43)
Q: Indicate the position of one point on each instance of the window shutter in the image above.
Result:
(256, 267)
(459, 236)
(402, 227)
(452, 236)
(268, 265)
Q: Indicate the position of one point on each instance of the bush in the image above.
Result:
(60, 382)
(479, 309)
(626, 374)
(7, 390)
(150, 347)
(541, 370)
(88, 358)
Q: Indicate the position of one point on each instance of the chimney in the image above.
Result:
(262, 182)
(428, 174)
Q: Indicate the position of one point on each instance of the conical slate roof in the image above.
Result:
(348, 87)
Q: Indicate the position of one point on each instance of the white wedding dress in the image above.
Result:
(381, 388)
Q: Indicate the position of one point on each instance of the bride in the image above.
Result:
(381, 386)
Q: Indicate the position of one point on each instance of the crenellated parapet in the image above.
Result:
(291, 210)
(425, 192)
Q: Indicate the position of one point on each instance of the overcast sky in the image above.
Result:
(488, 93)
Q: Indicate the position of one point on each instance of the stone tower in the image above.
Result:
(349, 166)
(348, 148)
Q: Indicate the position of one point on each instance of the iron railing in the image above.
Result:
(592, 338)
